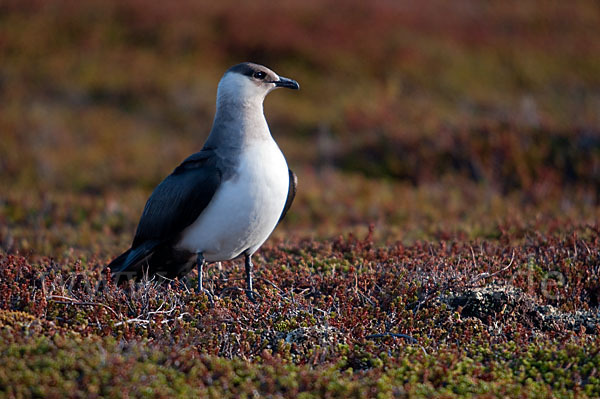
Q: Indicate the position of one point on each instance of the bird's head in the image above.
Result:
(249, 83)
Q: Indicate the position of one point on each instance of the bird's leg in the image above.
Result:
(200, 263)
(249, 289)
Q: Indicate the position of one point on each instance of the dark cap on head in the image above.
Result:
(248, 68)
(264, 74)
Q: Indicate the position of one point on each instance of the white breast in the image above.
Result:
(245, 208)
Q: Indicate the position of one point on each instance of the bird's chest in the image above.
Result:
(259, 188)
(246, 207)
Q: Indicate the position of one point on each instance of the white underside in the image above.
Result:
(245, 209)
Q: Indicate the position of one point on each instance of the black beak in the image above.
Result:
(285, 82)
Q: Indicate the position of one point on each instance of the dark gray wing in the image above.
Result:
(179, 199)
(291, 194)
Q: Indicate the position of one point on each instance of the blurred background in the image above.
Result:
(428, 120)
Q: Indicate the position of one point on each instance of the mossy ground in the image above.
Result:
(444, 241)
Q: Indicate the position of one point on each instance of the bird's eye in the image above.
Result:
(259, 75)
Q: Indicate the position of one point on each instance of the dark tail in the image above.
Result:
(130, 264)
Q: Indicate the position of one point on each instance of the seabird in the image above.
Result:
(224, 201)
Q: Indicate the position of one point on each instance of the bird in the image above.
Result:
(224, 201)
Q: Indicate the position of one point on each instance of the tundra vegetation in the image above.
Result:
(444, 241)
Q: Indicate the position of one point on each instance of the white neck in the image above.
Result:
(239, 118)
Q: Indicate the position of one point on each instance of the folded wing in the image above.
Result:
(175, 204)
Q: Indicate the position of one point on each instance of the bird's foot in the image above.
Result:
(209, 295)
(252, 296)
